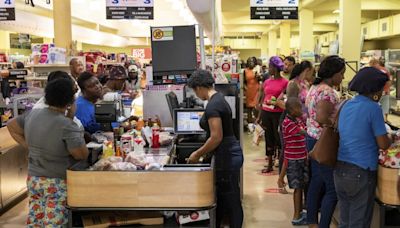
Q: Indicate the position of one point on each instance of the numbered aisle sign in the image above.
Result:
(7, 10)
(274, 9)
(130, 9)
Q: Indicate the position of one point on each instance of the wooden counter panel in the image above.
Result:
(387, 190)
(6, 141)
(140, 189)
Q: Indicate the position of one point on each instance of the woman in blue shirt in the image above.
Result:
(362, 133)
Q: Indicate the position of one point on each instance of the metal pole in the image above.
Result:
(213, 35)
(202, 49)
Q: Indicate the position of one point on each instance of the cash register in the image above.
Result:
(186, 121)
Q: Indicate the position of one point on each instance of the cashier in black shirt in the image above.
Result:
(217, 121)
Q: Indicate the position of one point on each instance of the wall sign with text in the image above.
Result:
(141, 53)
(7, 10)
(274, 9)
(130, 9)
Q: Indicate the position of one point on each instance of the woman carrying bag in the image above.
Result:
(322, 102)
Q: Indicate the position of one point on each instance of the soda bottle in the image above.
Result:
(155, 136)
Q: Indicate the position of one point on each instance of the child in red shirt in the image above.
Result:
(295, 154)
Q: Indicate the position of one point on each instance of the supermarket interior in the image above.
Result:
(189, 113)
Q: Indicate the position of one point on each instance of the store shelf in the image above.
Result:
(394, 64)
(48, 66)
(36, 78)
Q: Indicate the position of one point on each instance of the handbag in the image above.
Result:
(326, 149)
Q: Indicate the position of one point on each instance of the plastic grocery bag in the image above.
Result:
(258, 134)
(390, 158)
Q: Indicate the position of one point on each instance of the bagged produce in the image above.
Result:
(105, 163)
(390, 158)
(123, 166)
(258, 133)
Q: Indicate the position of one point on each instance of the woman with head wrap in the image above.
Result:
(272, 106)
(362, 133)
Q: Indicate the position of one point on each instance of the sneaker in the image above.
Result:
(300, 222)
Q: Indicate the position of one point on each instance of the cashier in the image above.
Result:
(92, 91)
(54, 142)
(118, 82)
(217, 122)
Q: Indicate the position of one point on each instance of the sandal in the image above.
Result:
(283, 190)
(267, 170)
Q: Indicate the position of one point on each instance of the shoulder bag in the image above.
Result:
(326, 149)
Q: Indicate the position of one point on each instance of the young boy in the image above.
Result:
(295, 157)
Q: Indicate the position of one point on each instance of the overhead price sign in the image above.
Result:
(130, 9)
(274, 9)
(7, 10)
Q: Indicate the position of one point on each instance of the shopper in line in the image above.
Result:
(54, 142)
(272, 106)
(289, 63)
(118, 81)
(295, 157)
(322, 102)
(91, 92)
(362, 133)
(76, 68)
(251, 82)
(217, 121)
(301, 78)
(55, 75)
(5, 85)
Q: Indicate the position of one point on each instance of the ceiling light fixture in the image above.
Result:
(336, 11)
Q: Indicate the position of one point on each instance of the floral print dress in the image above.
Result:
(317, 93)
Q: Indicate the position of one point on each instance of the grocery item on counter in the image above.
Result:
(126, 143)
(137, 160)
(125, 166)
(155, 136)
(390, 158)
(165, 138)
(138, 144)
(108, 149)
(105, 163)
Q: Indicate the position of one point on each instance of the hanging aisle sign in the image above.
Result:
(7, 10)
(274, 9)
(130, 9)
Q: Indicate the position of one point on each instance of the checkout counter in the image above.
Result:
(13, 170)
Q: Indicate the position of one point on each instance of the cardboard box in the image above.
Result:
(106, 219)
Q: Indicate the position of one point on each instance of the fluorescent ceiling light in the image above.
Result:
(336, 11)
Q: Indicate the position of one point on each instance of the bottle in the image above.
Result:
(118, 152)
(138, 144)
(155, 136)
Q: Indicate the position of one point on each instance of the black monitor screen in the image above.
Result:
(187, 121)
(176, 55)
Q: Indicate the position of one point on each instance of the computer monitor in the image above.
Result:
(187, 121)
(172, 101)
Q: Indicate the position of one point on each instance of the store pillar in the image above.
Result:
(285, 38)
(272, 43)
(4, 41)
(264, 45)
(350, 33)
(62, 24)
(306, 22)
